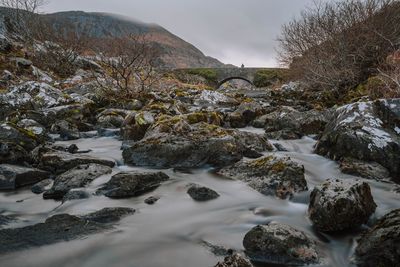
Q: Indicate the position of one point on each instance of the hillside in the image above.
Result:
(175, 52)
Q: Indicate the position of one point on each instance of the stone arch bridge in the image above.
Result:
(217, 76)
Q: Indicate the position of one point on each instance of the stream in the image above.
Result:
(172, 232)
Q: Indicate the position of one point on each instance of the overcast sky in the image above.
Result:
(233, 31)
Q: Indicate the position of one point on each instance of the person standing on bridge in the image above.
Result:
(242, 66)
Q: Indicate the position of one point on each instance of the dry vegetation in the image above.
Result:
(335, 46)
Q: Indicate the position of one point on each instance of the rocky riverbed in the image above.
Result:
(195, 178)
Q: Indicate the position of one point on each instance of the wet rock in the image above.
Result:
(59, 162)
(112, 118)
(173, 142)
(135, 125)
(12, 176)
(42, 186)
(379, 246)
(340, 204)
(214, 98)
(235, 260)
(202, 193)
(80, 176)
(288, 123)
(12, 153)
(278, 243)
(269, 175)
(369, 170)
(365, 131)
(32, 126)
(12, 134)
(108, 215)
(75, 195)
(280, 147)
(58, 228)
(66, 130)
(244, 114)
(151, 200)
(132, 184)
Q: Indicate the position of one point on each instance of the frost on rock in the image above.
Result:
(361, 115)
(39, 95)
(213, 97)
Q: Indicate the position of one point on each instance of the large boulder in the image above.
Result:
(366, 131)
(340, 204)
(135, 125)
(288, 123)
(59, 162)
(380, 246)
(31, 95)
(112, 118)
(269, 175)
(12, 176)
(369, 170)
(80, 176)
(174, 142)
(58, 228)
(12, 134)
(132, 184)
(278, 243)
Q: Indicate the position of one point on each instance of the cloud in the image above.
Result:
(234, 31)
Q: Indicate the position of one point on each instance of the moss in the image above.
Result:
(267, 77)
(262, 162)
(279, 166)
(208, 74)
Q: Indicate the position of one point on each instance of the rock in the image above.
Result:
(235, 260)
(80, 176)
(340, 204)
(58, 228)
(173, 142)
(33, 127)
(21, 62)
(66, 130)
(151, 200)
(42, 186)
(33, 95)
(59, 162)
(244, 114)
(379, 246)
(112, 118)
(278, 243)
(280, 147)
(269, 175)
(11, 133)
(12, 153)
(214, 98)
(202, 193)
(365, 131)
(288, 123)
(369, 170)
(135, 125)
(12, 176)
(74, 195)
(132, 184)
(108, 215)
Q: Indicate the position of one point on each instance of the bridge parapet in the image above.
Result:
(258, 77)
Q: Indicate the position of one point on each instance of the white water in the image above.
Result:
(169, 233)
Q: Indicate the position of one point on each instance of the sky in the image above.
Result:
(233, 31)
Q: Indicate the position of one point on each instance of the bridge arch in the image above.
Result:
(234, 78)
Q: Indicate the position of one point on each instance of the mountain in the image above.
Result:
(174, 51)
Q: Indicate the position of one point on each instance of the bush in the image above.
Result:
(267, 77)
(209, 74)
(339, 44)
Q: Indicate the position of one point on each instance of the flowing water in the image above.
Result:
(172, 232)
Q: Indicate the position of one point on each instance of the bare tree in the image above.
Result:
(130, 62)
(338, 44)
